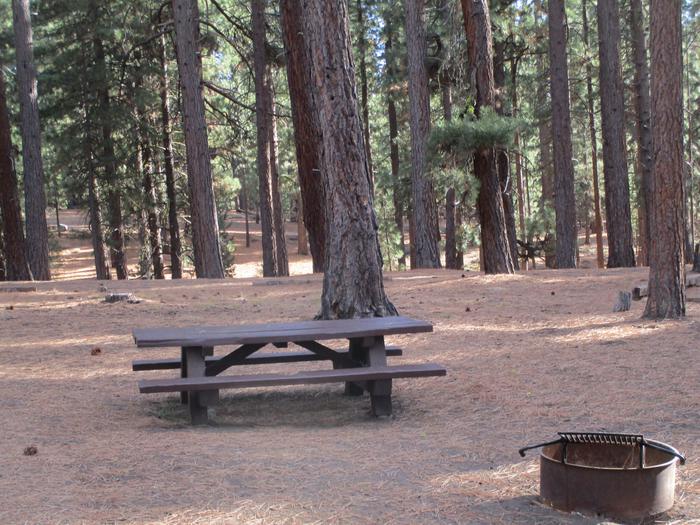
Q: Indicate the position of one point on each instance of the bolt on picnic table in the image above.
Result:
(362, 367)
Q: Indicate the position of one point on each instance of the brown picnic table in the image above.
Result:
(362, 366)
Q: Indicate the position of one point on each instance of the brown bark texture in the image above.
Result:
(494, 238)
(518, 153)
(364, 89)
(424, 209)
(564, 197)
(544, 114)
(617, 194)
(642, 107)
(168, 166)
(307, 139)
(16, 264)
(600, 257)
(667, 219)
(205, 226)
(281, 259)
(352, 284)
(151, 205)
(263, 119)
(37, 236)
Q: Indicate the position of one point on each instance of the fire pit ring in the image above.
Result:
(617, 475)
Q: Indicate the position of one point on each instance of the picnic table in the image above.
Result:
(362, 366)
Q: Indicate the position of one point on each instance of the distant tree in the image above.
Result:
(494, 237)
(424, 210)
(642, 106)
(205, 226)
(352, 284)
(617, 193)
(590, 106)
(37, 240)
(564, 197)
(307, 139)
(667, 218)
(14, 247)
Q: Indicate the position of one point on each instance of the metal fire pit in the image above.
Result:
(618, 475)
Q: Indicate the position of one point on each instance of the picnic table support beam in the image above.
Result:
(193, 365)
(358, 353)
(379, 390)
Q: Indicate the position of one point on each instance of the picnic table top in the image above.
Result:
(278, 332)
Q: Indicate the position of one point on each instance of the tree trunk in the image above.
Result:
(518, 154)
(499, 78)
(667, 220)
(107, 158)
(600, 257)
(494, 237)
(617, 197)
(307, 140)
(16, 264)
(393, 139)
(37, 240)
(544, 117)
(425, 221)
(263, 118)
(168, 166)
(302, 239)
(564, 198)
(151, 205)
(642, 106)
(352, 284)
(205, 225)
(450, 196)
(277, 212)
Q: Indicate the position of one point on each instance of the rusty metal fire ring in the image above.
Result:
(618, 475)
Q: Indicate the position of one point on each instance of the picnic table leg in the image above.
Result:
(379, 390)
(358, 352)
(194, 365)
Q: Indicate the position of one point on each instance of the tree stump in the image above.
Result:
(624, 300)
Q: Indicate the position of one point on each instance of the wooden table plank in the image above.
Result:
(278, 332)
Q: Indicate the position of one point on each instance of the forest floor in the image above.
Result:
(527, 355)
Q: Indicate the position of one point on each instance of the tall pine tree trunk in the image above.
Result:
(667, 219)
(277, 212)
(168, 166)
(37, 239)
(600, 257)
(424, 211)
(364, 89)
(151, 202)
(544, 115)
(518, 153)
(205, 225)
(307, 139)
(16, 264)
(494, 236)
(617, 194)
(564, 198)
(642, 106)
(499, 78)
(399, 206)
(352, 284)
(263, 119)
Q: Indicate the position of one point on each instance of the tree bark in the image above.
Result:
(37, 239)
(205, 225)
(399, 207)
(352, 284)
(600, 257)
(16, 264)
(564, 198)
(617, 197)
(518, 154)
(168, 166)
(499, 78)
(494, 238)
(277, 212)
(667, 220)
(544, 117)
(307, 140)
(425, 221)
(642, 106)
(302, 239)
(151, 204)
(263, 119)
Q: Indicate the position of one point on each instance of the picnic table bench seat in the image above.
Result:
(263, 358)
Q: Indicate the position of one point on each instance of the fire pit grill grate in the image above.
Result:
(605, 438)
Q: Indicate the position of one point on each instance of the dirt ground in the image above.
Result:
(527, 355)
